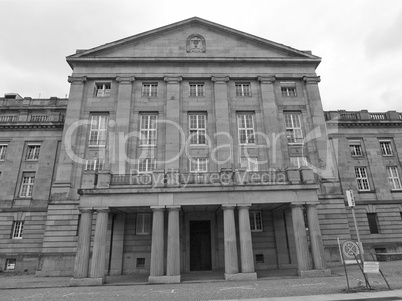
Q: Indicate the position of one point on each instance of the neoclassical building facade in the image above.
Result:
(192, 147)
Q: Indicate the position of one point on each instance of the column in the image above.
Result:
(98, 262)
(81, 265)
(222, 117)
(317, 248)
(123, 112)
(246, 244)
(173, 243)
(231, 264)
(299, 229)
(172, 143)
(157, 249)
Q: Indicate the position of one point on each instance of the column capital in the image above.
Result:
(247, 206)
(86, 210)
(311, 79)
(173, 208)
(157, 208)
(77, 79)
(312, 204)
(267, 79)
(220, 79)
(229, 206)
(296, 205)
(125, 79)
(102, 210)
(173, 79)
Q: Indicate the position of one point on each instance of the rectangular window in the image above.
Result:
(255, 221)
(33, 152)
(3, 151)
(148, 130)
(140, 262)
(146, 165)
(245, 123)
(249, 163)
(243, 89)
(18, 226)
(373, 223)
(198, 165)
(94, 164)
(143, 223)
(197, 89)
(355, 148)
(298, 161)
(288, 89)
(10, 264)
(362, 179)
(102, 89)
(150, 90)
(386, 148)
(393, 177)
(294, 132)
(97, 135)
(27, 185)
(197, 129)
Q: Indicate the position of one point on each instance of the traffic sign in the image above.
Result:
(350, 249)
(371, 267)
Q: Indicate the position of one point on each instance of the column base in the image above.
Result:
(164, 279)
(86, 281)
(314, 273)
(241, 276)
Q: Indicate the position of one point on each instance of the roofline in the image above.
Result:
(186, 21)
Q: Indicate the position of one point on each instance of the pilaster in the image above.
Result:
(222, 116)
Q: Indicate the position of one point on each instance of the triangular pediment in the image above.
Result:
(194, 38)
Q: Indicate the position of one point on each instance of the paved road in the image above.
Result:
(221, 290)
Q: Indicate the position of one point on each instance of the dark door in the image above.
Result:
(200, 246)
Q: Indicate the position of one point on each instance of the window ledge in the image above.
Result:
(366, 191)
(396, 190)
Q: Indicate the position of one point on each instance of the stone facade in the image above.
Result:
(185, 149)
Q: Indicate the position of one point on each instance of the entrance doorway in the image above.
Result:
(200, 246)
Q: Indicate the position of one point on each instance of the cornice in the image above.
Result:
(32, 126)
(364, 123)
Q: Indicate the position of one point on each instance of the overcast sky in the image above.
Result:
(360, 42)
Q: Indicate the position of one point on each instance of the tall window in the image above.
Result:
(298, 161)
(197, 89)
(146, 165)
(28, 180)
(97, 135)
(288, 89)
(102, 89)
(94, 164)
(245, 123)
(143, 223)
(148, 130)
(355, 148)
(249, 163)
(3, 151)
(33, 152)
(362, 179)
(150, 89)
(373, 223)
(243, 89)
(386, 148)
(255, 221)
(18, 226)
(197, 129)
(293, 128)
(393, 177)
(198, 165)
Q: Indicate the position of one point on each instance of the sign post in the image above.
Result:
(351, 203)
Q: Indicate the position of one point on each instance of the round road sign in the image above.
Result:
(350, 248)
